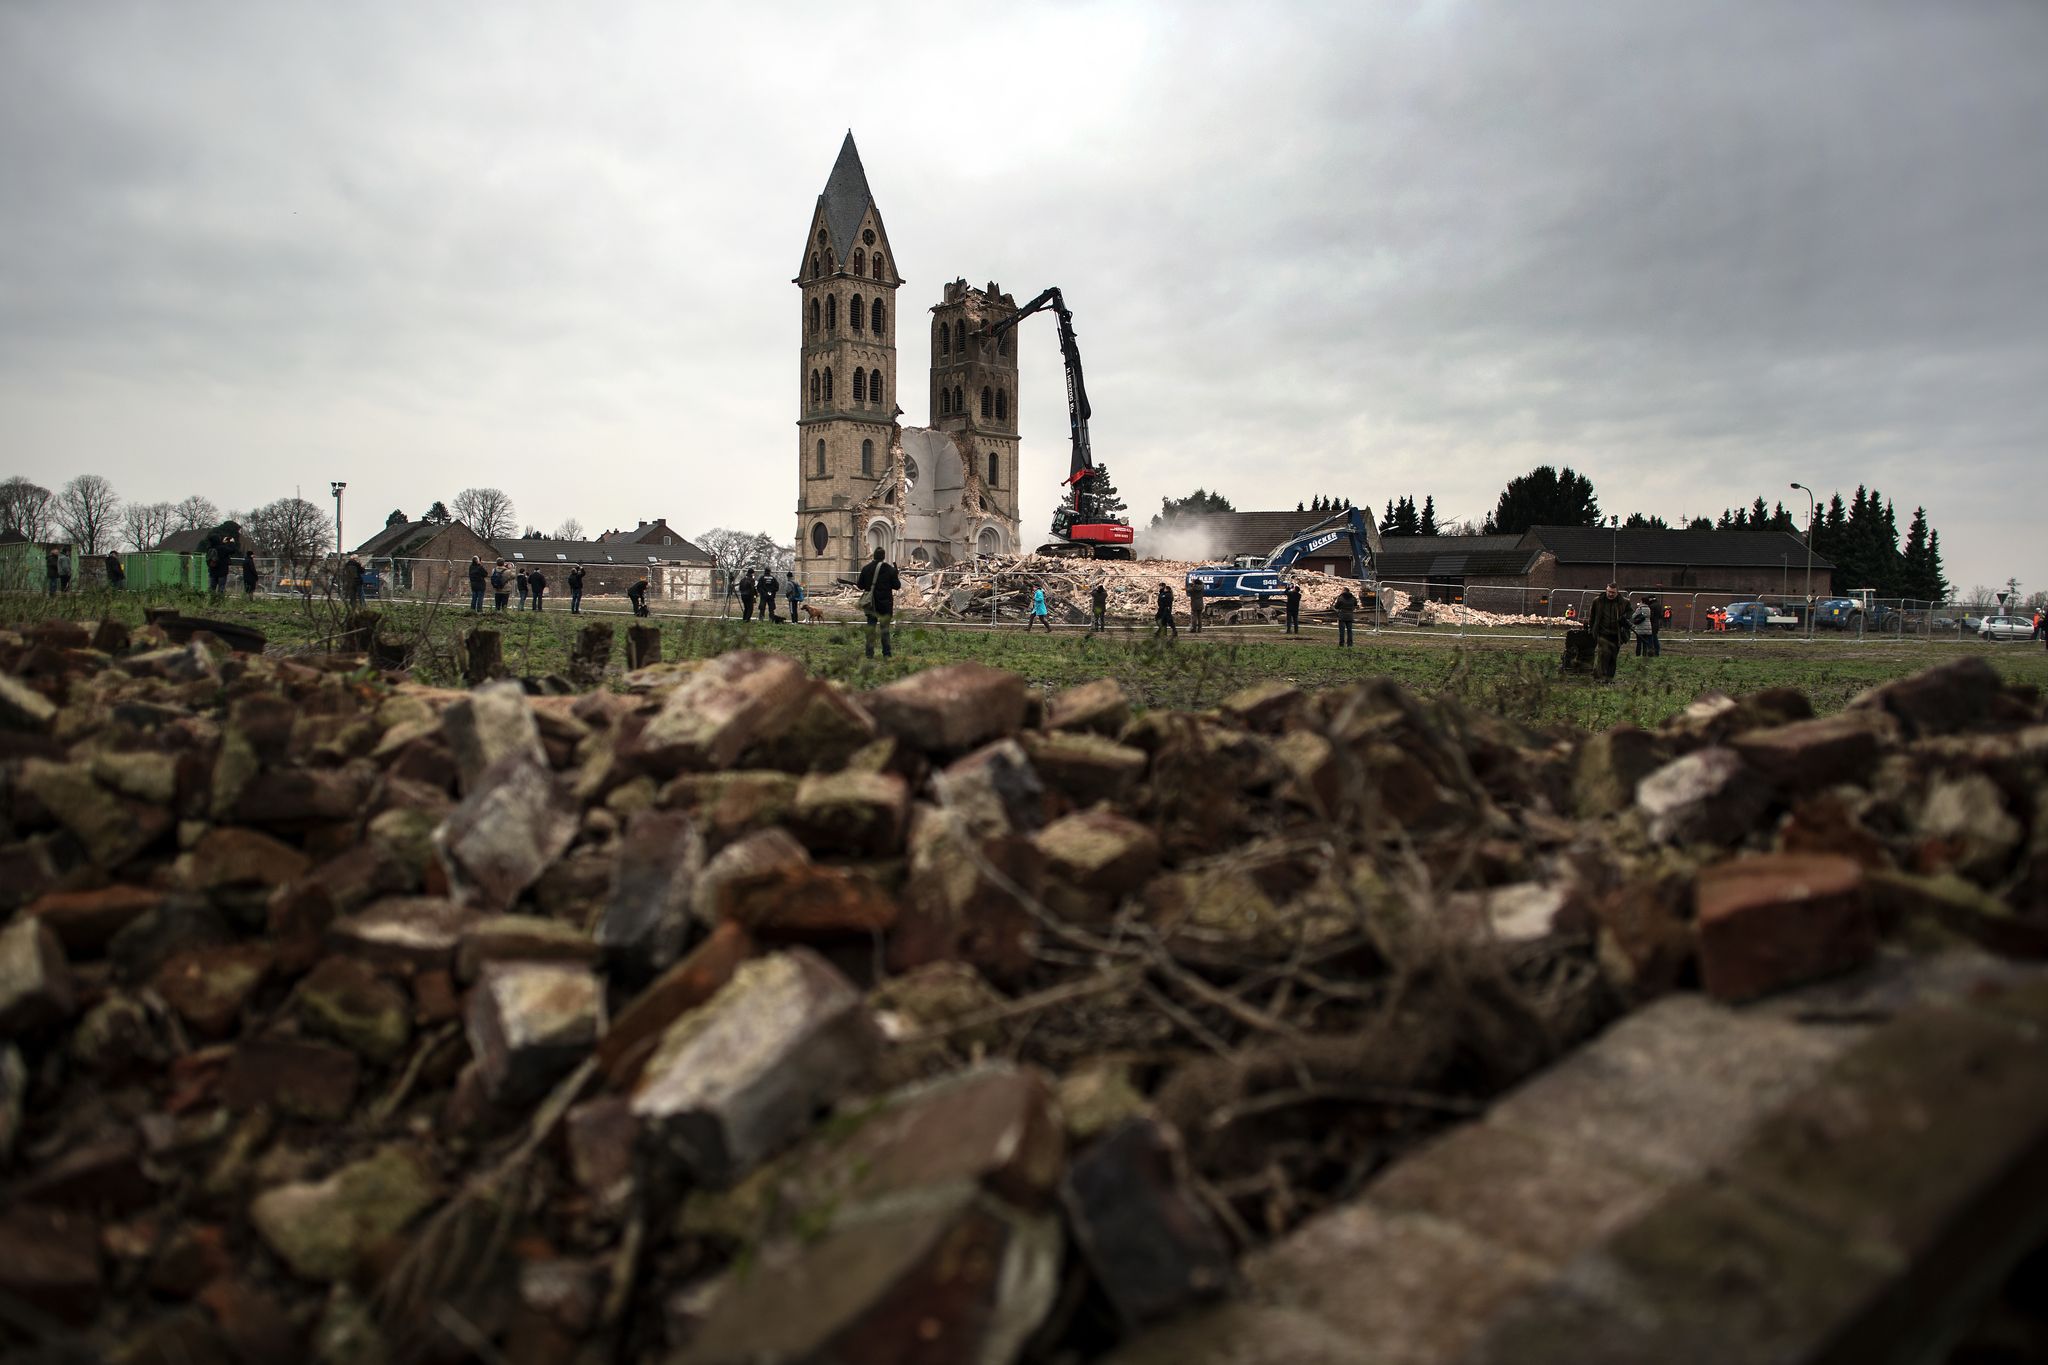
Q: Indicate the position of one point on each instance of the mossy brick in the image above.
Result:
(1673, 1089)
(1930, 1139)
(1543, 1197)
(1413, 1288)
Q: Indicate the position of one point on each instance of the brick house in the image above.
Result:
(675, 569)
(1488, 573)
(1687, 569)
(426, 558)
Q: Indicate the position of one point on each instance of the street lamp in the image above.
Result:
(1614, 554)
(337, 485)
(1811, 513)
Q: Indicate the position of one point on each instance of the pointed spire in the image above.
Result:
(846, 198)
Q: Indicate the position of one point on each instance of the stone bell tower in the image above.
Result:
(847, 372)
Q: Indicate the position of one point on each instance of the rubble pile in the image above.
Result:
(970, 589)
(731, 1016)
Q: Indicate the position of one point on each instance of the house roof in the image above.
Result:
(12, 537)
(846, 198)
(1691, 549)
(650, 534)
(394, 541)
(1251, 533)
(563, 553)
(1448, 557)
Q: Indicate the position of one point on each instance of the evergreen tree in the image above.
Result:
(1427, 526)
(1937, 576)
(1699, 524)
(438, 514)
(1406, 521)
(1759, 515)
(1544, 497)
(397, 518)
(1201, 502)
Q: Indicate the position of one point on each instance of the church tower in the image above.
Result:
(846, 378)
(974, 398)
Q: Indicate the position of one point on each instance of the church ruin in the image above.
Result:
(928, 495)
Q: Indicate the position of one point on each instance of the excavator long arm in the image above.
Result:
(1078, 411)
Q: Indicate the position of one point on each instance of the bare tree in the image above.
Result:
(737, 551)
(25, 508)
(291, 529)
(86, 508)
(195, 514)
(486, 511)
(145, 524)
(570, 529)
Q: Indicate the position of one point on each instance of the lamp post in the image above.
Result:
(1614, 551)
(1811, 513)
(337, 485)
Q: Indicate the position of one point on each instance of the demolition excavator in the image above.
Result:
(1260, 576)
(1077, 535)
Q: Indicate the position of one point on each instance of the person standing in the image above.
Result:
(795, 594)
(50, 572)
(1162, 617)
(1347, 609)
(248, 574)
(1098, 603)
(1608, 620)
(1639, 626)
(1293, 600)
(537, 584)
(636, 597)
(1197, 594)
(575, 589)
(747, 590)
(116, 575)
(352, 583)
(765, 587)
(478, 581)
(500, 587)
(878, 583)
(524, 586)
(1037, 615)
(64, 574)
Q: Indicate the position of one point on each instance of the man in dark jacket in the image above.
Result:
(1163, 616)
(248, 573)
(747, 590)
(50, 572)
(521, 579)
(1098, 604)
(575, 589)
(765, 589)
(478, 581)
(352, 583)
(501, 592)
(637, 597)
(537, 584)
(116, 575)
(1608, 620)
(1347, 608)
(1293, 600)
(879, 581)
(1196, 596)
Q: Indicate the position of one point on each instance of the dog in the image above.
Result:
(811, 613)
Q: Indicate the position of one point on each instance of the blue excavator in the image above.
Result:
(1260, 577)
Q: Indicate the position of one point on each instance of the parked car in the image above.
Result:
(1758, 616)
(2006, 628)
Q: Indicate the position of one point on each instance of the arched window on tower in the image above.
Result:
(860, 261)
(821, 457)
(875, 393)
(945, 339)
(831, 262)
(945, 402)
(814, 265)
(860, 386)
(875, 319)
(819, 537)
(817, 316)
(878, 265)
(960, 336)
(856, 313)
(831, 312)
(867, 458)
(828, 383)
(815, 389)
(995, 469)
(1002, 405)
(959, 401)
(988, 403)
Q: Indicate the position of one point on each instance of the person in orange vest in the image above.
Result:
(1571, 613)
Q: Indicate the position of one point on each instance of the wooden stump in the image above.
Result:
(643, 646)
(482, 656)
(591, 654)
(358, 633)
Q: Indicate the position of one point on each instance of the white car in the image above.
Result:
(2006, 628)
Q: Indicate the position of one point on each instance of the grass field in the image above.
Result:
(1514, 677)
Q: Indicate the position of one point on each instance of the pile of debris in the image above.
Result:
(732, 1016)
(972, 590)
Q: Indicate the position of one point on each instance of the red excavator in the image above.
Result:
(1079, 536)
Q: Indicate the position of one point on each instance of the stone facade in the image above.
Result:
(928, 496)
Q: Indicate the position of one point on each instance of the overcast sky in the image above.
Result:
(1695, 250)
